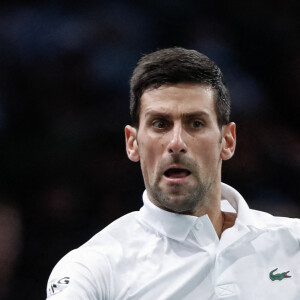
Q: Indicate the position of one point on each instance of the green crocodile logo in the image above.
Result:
(278, 276)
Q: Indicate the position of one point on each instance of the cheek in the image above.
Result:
(148, 159)
(148, 155)
(151, 147)
(208, 150)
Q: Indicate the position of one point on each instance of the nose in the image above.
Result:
(177, 144)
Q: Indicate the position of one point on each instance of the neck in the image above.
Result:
(212, 207)
(217, 217)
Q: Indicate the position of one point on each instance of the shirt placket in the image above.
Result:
(227, 288)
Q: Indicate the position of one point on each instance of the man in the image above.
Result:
(187, 241)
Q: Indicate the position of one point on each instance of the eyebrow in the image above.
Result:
(195, 114)
(154, 113)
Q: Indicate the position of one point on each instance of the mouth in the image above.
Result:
(176, 174)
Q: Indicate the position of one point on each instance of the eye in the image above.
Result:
(196, 124)
(160, 124)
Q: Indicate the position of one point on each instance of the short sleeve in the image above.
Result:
(80, 275)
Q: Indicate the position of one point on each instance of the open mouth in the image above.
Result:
(175, 173)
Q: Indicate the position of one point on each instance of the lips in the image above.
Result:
(174, 173)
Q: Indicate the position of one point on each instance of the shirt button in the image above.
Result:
(198, 225)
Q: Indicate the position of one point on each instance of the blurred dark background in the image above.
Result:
(64, 72)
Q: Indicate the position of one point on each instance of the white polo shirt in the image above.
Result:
(154, 254)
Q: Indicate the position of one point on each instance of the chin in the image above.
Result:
(179, 205)
(175, 198)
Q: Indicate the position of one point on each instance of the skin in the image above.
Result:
(178, 129)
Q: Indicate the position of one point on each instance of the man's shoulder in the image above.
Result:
(120, 230)
(111, 240)
(270, 221)
(91, 262)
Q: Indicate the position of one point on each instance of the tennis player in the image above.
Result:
(195, 237)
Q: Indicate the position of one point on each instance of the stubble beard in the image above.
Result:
(177, 203)
(182, 199)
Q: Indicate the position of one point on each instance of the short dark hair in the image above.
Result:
(178, 65)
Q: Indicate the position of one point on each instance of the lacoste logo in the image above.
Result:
(278, 276)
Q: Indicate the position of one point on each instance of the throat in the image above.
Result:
(229, 220)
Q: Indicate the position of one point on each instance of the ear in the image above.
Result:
(132, 148)
(228, 141)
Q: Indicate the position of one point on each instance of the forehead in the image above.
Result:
(178, 99)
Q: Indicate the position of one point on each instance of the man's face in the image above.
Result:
(179, 145)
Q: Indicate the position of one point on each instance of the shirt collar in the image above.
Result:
(245, 215)
(178, 226)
